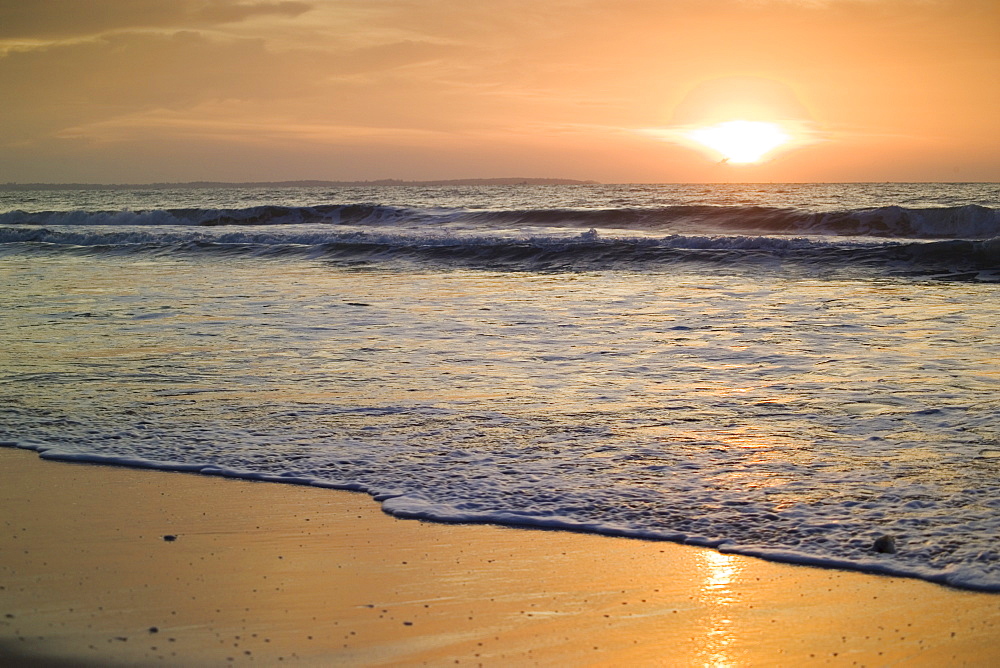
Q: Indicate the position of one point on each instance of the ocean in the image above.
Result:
(790, 371)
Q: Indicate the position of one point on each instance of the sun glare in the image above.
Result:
(741, 141)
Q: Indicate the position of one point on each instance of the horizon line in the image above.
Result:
(495, 181)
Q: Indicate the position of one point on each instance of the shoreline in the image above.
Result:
(270, 573)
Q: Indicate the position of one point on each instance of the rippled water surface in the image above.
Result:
(787, 411)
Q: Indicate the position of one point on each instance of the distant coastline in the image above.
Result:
(510, 181)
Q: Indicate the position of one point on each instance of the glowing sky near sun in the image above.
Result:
(612, 90)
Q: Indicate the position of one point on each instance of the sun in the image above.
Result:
(740, 142)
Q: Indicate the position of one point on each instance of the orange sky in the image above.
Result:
(179, 90)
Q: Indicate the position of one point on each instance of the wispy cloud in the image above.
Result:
(50, 19)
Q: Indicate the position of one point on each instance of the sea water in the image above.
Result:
(787, 371)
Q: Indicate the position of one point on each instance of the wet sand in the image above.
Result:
(269, 574)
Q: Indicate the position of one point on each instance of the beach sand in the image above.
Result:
(269, 574)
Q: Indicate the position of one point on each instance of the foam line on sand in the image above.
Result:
(113, 566)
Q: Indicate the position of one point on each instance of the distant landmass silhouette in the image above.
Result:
(510, 181)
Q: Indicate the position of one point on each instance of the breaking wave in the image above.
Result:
(958, 222)
(588, 250)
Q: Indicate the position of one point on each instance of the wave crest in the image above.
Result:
(959, 222)
(588, 250)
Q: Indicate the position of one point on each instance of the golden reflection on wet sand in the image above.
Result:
(719, 573)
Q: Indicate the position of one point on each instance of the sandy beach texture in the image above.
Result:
(268, 574)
